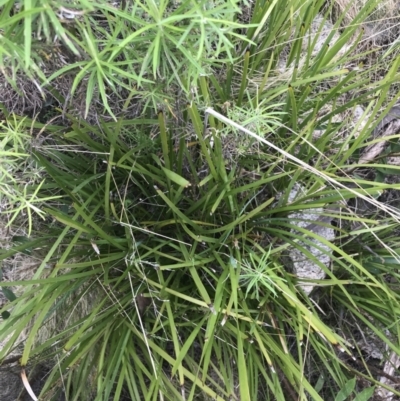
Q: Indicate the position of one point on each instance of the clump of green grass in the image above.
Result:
(176, 246)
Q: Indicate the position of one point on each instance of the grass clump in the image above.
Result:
(163, 262)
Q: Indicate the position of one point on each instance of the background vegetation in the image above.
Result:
(157, 157)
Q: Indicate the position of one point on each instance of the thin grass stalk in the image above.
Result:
(244, 82)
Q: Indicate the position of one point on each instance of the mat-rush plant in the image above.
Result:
(154, 244)
(162, 243)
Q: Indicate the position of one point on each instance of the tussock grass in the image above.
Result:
(156, 184)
